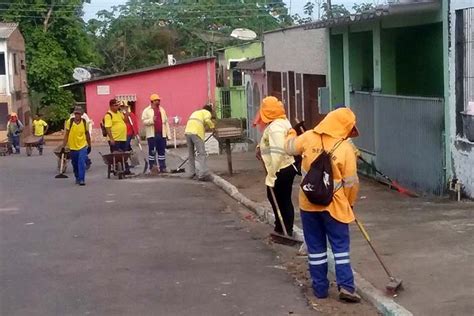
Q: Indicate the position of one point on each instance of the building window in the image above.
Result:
(3, 116)
(464, 61)
(15, 68)
(2, 64)
(236, 74)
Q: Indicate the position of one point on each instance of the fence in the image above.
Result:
(405, 136)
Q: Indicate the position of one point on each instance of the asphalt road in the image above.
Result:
(154, 246)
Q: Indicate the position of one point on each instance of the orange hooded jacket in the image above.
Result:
(336, 126)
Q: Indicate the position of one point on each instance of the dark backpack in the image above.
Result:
(102, 125)
(318, 184)
(83, 122)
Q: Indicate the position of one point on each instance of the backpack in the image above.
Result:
(318, 184)
(102, 125)
(83, 121)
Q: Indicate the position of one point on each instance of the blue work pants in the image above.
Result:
(15, 141)
(156, 145)
(78, 160)
(317, 226)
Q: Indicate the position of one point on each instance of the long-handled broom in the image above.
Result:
(61, 174)
(145, 167)
(394, 284)
(180, 168)
(391, 182)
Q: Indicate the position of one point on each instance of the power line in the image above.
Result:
(185, 12)
(155, 17)
(155, 4)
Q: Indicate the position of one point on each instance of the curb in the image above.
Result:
(384, 304)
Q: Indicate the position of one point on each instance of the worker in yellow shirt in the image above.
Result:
(40, 127)
(114, 122)
(195, 128)
(78, 139)
(329, 222)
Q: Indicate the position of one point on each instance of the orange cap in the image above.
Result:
(154, 97)
(271, 109)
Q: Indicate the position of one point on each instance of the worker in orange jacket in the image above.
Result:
(329, 222)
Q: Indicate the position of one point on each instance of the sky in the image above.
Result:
(295, 5)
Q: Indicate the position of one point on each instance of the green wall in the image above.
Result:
(238, 102)
(419, 60)
(388, 61)
(252, 50)
(361, 66)
(337, 70)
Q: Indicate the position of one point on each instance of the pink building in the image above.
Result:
(183, 88)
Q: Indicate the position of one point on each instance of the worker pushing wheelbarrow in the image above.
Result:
(31, 142)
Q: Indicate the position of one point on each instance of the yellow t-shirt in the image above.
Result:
(77, 134)
(116, 122)
(39, 126)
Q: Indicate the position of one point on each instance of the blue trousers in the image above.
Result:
(157, 144)
(317, 226)
(15, 141)
(78, 160)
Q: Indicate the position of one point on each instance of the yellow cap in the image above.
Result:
(154, 97)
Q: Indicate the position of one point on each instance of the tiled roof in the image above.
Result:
(6, 29)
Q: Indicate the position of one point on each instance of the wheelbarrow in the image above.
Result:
(5, 148)
(116, 163)
(31, 142)
(64, 155)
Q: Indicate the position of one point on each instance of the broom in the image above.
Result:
(391, 182)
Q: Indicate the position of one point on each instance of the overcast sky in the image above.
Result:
(296, 5)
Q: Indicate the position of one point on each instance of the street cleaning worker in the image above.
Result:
(89, 127)
(195, 128)
(78, 139)
(114, 122)
(279, 166)
(40, 127)
(157, 131)
(329, 222)
(14, 129)
(131, 122)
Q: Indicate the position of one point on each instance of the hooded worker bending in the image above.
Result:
(195, 129)
(332, 221)
(279, 165)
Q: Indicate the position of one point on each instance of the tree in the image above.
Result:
(336, 11)
(362, 7)
(56, 42)
(142, 32)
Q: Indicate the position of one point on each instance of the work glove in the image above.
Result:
(89, 149)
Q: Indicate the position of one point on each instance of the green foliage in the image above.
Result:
(142, 32)
(56, 42)
(362, 7)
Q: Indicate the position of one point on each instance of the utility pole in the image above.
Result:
(329, 9)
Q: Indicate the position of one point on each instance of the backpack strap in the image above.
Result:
(71, 120)
(334, 147)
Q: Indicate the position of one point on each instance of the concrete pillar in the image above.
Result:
(328, 73)
(448, 107)
(347, 81)
(377, 58)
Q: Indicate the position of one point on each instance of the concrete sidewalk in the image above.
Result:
(425, 241)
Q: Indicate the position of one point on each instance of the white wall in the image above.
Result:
(296, 49)
(4, 78)
(462, 149)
